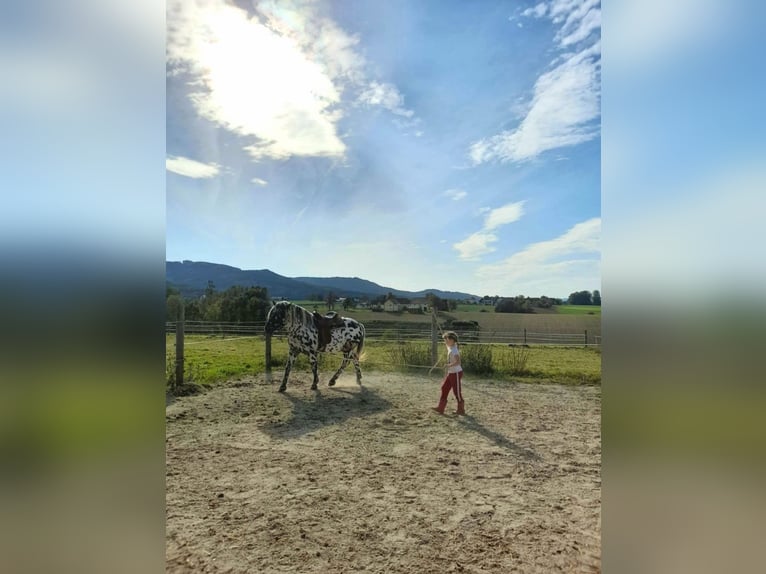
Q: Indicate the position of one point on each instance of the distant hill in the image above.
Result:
(191, 278)
(355, 284)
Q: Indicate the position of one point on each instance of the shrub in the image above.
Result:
(514, 360)
(408, 356)
(191, 375)
(476, 359)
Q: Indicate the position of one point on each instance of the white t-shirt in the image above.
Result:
(452, 354)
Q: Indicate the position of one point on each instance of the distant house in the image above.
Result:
(418, 305)
(393, 305)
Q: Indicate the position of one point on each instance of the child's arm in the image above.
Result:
(453, 360)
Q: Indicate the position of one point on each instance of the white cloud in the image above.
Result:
(537, 11)
(254, 82)
(580, 28)
(277, 76)
(386, 96)
(553, 279)
(566, 100)
(565, 104)
(191, 168)
(503, 215)
(259, 181)
(547, 256)
(475, 245)
(455, 194)
(478, 243)
(576, 18)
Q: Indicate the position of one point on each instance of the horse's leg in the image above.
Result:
(357, 368)
(340, 370)
(314, 369)
(288, 367)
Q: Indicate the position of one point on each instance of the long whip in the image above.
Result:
(441, 332)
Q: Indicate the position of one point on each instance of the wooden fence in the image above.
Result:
(403, 333)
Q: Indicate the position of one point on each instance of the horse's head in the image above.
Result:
(277, 316)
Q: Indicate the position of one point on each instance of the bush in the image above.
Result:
(514, 360)
(410, 356)
(191, 374)
(476, 359)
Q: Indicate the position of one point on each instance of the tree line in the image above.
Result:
(236, 305)
(523, 304)
(585, 298)
(251, 304)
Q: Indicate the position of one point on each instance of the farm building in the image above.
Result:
(393, 305)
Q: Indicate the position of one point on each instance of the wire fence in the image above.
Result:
(402, 333)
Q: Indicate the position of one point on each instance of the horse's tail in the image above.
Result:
(360, 344)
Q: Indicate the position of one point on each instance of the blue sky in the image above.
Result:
(447, 145)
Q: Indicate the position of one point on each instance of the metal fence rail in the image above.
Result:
(405, 334)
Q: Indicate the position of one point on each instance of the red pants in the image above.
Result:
(453, 382)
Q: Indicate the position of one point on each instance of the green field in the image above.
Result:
(578, 309)
(212, 359)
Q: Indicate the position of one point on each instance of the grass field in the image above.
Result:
(212, 359)
(463, 307)
(578, 309)
(539, 323)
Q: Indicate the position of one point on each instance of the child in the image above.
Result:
(454, 378)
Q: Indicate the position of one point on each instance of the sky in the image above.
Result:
(445, 145)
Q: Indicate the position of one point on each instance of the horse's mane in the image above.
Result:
(301, 316)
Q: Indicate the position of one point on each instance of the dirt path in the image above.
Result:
(370, 480)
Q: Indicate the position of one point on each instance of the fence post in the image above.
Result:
(180, 346)
(525, 336)
(268, 357)
(434, 335)
(586, 337)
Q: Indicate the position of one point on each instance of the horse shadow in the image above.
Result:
(470, 423)
(325, 407)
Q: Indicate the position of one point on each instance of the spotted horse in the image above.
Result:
(303, 337)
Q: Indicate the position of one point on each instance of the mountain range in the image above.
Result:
(191, 278)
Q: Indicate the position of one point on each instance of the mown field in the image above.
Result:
(566, 319)
(578, 309)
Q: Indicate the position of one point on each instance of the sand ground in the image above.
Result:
(348, 479)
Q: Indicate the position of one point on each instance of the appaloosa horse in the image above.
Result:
(303, 337)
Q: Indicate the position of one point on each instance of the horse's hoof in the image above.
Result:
(313, 387)
(331, 384)
(282, 389)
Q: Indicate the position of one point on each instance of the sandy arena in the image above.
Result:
(346, 480)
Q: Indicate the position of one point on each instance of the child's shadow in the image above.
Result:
(471, 423)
